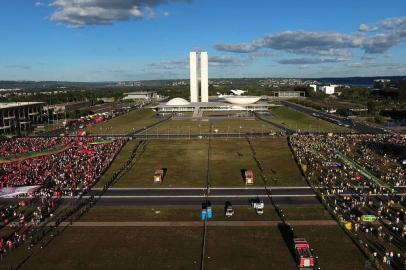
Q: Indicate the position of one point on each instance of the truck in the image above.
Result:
(304, 257)
(229, 210)
(258, 206)
(158, 176)
(249, 177)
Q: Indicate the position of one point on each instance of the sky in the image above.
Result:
(119, 40)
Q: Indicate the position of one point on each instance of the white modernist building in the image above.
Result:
(199, 76)
(329, 90)
(199, 94)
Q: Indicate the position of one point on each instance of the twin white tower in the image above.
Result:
(199, 76)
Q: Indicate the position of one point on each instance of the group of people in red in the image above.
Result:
(23, 145)
(68, 172)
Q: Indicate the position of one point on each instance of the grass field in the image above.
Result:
(302, 122)
(242, 213)
(129, 213)
(118, 162)
(231, 248)
(228, 161)
(125, 124)
(335, 250)
(186, 163)
(222, 125)
(180, 248)
(277, 160)
(247, 248)
(296, 212)
(121, 248)
(266, 248)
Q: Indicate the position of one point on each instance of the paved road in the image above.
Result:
(358, 127)
(196, 196)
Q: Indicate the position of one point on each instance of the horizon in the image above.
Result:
(133, 40)
(217, 78)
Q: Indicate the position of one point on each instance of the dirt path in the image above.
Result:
(198, 223)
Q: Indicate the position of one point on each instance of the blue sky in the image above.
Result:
(100, 40)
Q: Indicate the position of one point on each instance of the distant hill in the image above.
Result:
(358, 81)
(39, 85)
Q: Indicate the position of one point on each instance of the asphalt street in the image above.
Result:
(197, 196)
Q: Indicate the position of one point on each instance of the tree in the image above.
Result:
(402, 89)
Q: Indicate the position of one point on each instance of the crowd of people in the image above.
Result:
(23, 145)
(71, 171)
(373, 211)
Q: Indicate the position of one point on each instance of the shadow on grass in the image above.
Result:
(243, 175)
(288, 235)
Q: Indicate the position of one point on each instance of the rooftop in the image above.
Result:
(140, 93)
(7, 105)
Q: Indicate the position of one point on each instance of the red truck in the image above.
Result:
(249, 178)
(158, 175)
(304, 256)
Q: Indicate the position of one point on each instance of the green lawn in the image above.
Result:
(228, 160)
(113, 213)
(185, 162)
(302, 122)
(277, 160)
(192, 213)
(126, 123)
(304, 212)
(335, 249)
(118, 248)
(236, 248)
(224, 125)
(118, 162)
(265, 248)
(131, 213)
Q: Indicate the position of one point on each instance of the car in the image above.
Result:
(229, 210)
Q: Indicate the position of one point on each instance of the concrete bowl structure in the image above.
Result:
(178, 102)
(242, 100)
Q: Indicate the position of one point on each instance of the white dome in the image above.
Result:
(177, 102)
(242, 100)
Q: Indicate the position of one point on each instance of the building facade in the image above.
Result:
(145, 95)
(16, 117)
(199, 76)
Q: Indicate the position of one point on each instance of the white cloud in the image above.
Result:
(332, 46)
(77, 13)
(214, 61)
(363, 65)
(306, 61)
(394, 23)
(366, 28)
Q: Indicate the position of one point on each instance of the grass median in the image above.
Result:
(124, 124)
(299, 121)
